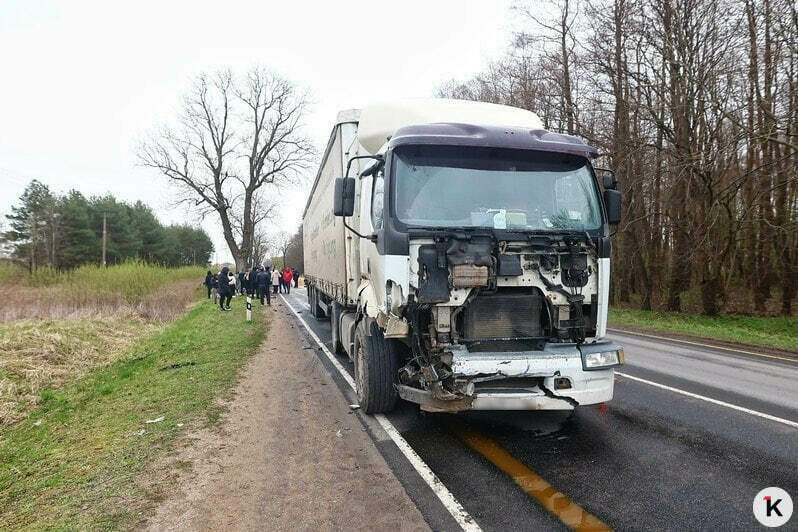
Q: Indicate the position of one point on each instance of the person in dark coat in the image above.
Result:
(242, 281)
(208, 282)
(263, 279)
(252, 281)
(225, 288)
(296, 277)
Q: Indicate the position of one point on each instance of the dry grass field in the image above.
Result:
(58, 326)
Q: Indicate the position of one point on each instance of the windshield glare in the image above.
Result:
(453, 186)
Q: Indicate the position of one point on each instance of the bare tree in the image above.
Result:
(262, 243)
(236, 137)
(557, 42)
(295, 253)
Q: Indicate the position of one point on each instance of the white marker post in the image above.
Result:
(249, 307)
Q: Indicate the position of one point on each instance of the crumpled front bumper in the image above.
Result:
(501, 380)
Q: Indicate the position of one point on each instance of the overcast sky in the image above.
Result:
(82, 82)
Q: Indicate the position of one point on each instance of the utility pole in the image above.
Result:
(105, 232)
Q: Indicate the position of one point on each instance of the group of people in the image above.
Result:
(253, 282)
(282, 281)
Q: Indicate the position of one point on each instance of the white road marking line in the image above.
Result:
(711, 346)
(711, 400)
(454, 507)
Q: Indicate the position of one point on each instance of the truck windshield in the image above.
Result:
(454, 186)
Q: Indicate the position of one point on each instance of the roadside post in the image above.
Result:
(249, 307)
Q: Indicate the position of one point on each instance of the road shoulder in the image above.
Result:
(288, 454)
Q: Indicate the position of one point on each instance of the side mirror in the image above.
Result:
(344, 200)
(612, 202)
(609, 181)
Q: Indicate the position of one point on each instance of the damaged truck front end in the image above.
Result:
(506, 324)
(485, 268)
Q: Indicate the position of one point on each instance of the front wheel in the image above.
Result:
(376, 369)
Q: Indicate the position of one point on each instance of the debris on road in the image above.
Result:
(339, 434)
(354, 407)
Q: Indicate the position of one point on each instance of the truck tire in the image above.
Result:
(311, 296)
(315, 308)
(376, 370)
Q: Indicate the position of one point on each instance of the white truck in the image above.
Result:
(462, 254)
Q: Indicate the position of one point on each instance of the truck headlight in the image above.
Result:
(603, 359)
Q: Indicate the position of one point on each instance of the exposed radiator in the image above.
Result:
(505, 314)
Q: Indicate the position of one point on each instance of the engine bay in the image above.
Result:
(475, 294)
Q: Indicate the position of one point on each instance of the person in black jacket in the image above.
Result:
(242, 281)
(263, 279)
(225, 289)
(208, 282)
(252, 281)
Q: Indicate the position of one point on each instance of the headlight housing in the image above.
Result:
(602, 359)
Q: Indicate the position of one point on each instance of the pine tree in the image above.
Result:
(31, 225)
(79, 243)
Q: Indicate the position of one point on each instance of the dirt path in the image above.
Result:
(277, 463)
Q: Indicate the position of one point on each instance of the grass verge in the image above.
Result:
(776, 332)
(75, 461)
(39, 354)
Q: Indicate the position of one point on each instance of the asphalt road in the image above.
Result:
(691, 436)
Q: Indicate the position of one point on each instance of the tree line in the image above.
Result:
(694, 105)
(66, 231)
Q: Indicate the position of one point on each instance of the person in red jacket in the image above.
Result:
(288, 276)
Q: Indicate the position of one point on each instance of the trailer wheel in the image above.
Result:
(311, 299)
(315, 308)
(376, 369)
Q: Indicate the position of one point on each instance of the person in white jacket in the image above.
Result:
(275, 281)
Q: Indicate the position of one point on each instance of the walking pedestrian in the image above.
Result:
(276, 279)
(208, 282)
(227, 284)
(296, 277)
(262, 280)
(288, 276)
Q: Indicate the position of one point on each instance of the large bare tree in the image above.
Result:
(236, 142)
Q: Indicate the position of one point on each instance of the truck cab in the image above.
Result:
(482, 256)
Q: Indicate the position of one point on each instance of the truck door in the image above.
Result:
(371, 221)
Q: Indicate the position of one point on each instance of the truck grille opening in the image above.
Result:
(507, 320)
(509, 385)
